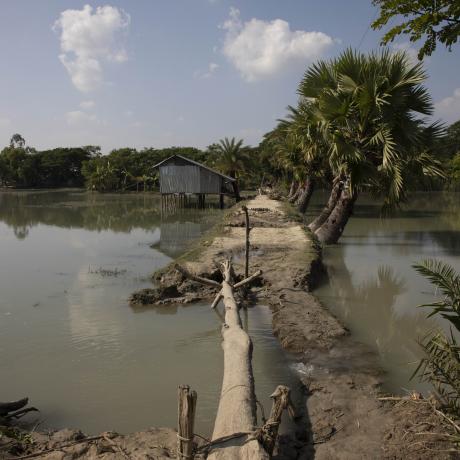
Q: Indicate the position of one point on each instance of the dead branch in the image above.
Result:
(197, 278)
(248, 279)
(216, 301)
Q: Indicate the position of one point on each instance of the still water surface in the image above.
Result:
(70, 341)
(372, 287)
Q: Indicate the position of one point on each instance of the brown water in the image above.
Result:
(70, 341)
(372, 287)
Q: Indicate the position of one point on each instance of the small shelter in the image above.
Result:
(180, 176)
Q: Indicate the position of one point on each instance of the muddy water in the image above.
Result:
(372, 286)
(70, 341)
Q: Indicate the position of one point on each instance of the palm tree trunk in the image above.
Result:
(236, 190)
(305, 196)
(333, 227)
(332, 201)
(296, 194)
(292, 189)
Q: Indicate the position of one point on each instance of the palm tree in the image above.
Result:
(231, 160)
(368, 109)
(298, 150)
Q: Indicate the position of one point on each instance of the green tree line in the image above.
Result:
(124, 169)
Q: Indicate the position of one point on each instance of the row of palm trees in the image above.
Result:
(359, 126)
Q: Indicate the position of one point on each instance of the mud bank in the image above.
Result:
(154, 443)
(343, 415)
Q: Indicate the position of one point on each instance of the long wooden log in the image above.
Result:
(237, 406)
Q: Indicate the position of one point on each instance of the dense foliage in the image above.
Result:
(360, 126)
(22, 166)
(448, 149)
(441, 365)
(129, 169)
(431, 20)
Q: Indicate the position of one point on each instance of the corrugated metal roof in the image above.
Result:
(196, 164)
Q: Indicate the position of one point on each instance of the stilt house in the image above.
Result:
(181, 176)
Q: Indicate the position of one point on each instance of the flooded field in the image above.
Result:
(372, 286)
(70, 341)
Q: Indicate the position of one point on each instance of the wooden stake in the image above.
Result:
(269, 432)
(185, 422)
(246, 267)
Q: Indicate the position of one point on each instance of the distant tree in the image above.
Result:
(431, 20)
(230, 157)
(17, 141)
(450, 143)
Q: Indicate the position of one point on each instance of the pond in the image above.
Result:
(69, 339)
(372, 286)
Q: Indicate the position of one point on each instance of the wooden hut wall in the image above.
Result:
(179, 178)
(209, 182)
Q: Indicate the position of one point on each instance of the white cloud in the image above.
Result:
(410, 50)
(212, 69)
(260, 48)
(87, 105)
(449, 107)
(88, 39)
(78, 117)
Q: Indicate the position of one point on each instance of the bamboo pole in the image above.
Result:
(185, 422)
(246, 266)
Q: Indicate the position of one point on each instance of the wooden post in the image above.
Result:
(246, 267)
(185, 421)
(269, 432)
(221, 201)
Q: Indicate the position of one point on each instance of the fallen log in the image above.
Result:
(235, 425)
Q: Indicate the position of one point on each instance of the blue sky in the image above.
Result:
(176, 72)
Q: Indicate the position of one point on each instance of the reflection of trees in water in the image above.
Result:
(97, 212)
(23, 211)
(369, 310)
